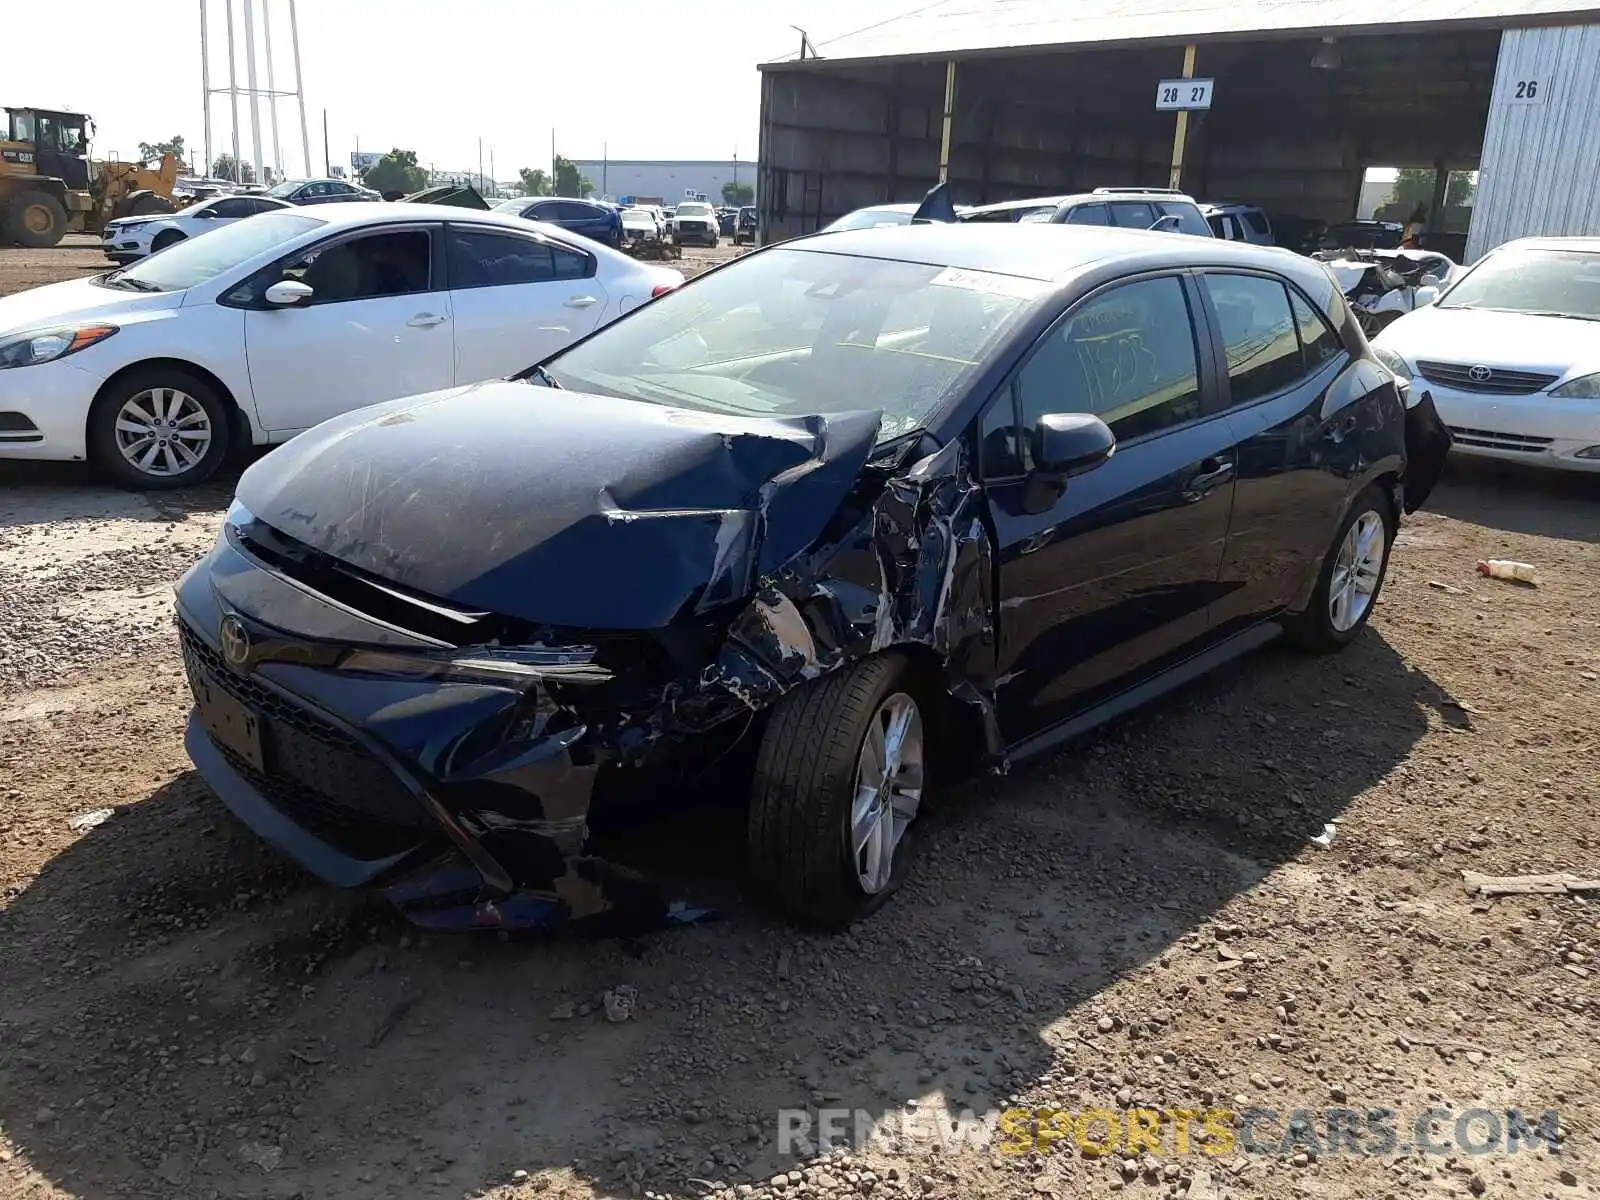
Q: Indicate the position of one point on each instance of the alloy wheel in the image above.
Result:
(163, 432)
(889, 782)
(1356, 571)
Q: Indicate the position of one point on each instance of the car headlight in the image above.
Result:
(47, 345)
(1393, 361)
(1585, 387)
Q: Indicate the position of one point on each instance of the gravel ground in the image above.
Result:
(1137, 922)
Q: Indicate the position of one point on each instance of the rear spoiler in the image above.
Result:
(936, 207)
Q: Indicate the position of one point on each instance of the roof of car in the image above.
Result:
(1134, 194)
(1051, 252)
(1225, 206)
(1588, 245)
(363, 212)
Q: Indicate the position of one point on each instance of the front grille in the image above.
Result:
(1500, 380)
(320, 777)
(1490, 440)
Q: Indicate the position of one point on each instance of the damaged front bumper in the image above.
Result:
(465, 801)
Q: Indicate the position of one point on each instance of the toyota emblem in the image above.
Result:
(1479, 374)
(235, 641)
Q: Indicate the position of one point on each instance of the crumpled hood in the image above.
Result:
(561, 507)
(58, 304)
(1515, 341)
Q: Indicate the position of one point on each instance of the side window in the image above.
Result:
(480, 259)
(367, 267)
(1189, 219)
(1126, 214)
(1258, 335)
(1128, 356)
(543, 211)
(571, 264)
(1219, 227)
(1317, 339)
(999, 455)
(261, 204)
(1088, 214)
(233, 208)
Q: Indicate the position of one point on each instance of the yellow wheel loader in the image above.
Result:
(49, 187)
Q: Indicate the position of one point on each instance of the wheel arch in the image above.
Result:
(243, 428)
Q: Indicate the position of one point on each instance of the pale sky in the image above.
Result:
(639, 78)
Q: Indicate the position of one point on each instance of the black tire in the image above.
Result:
(167, 237)
(35, 220)
(803, 790)
(105, 454)
(142, 203)
(1314, 629)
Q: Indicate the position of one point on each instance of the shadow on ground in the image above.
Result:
(64, 493)
(1518, 499)
(183, 1014)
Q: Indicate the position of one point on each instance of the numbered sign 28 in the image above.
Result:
(1527, 89)
(1173, 95)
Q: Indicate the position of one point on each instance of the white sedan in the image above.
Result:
(269, 326)
(1511, 354)
(130, 238)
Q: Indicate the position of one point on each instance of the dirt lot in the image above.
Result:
(1139, 921)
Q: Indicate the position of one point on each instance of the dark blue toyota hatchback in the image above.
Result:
(871, 507)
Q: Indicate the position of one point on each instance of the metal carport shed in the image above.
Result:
(1016, 98)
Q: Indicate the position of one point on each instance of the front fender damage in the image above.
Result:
(905, 562)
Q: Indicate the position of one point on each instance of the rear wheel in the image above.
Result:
(35, 220)
(1352, 575)
(158, 429)
(838, 781)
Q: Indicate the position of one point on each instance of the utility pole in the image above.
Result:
(272, 88)
(253, 89)
(300, 95)
(480, 165)
(553, 191)
(327, 159)
(205, 84)
(605, 167)
(233, 97)
(493, 186)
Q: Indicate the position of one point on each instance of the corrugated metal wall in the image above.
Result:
(1540, 170)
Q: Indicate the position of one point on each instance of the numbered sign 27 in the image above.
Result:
(1175, 95)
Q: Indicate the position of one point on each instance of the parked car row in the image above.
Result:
(845, 516)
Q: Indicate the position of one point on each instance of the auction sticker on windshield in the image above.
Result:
(989, 283)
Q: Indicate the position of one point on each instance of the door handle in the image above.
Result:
(1212, 472)
(426, 320)
(581, 302)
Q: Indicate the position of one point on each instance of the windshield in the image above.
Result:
(869, 218)
(792, 332)
(198, 260)
(286, 188)
(694, 210)
(1557, 283)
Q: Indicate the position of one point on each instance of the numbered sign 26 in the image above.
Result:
(1173, 95)
(1527, 89)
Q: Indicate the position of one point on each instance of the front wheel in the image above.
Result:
(159, 429)
(1352, 574)
(167, 237)
(839, 779)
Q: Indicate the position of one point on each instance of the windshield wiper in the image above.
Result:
(545, 378)
(1571, 316)
(131, 285)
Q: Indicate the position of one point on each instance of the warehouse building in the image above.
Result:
(668, 179)
(1293, 101)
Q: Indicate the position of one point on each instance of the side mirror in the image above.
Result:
(1429, 281)
(287, 293)
(1068, 444)
(1426, 294)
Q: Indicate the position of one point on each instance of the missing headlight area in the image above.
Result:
(441, 699)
